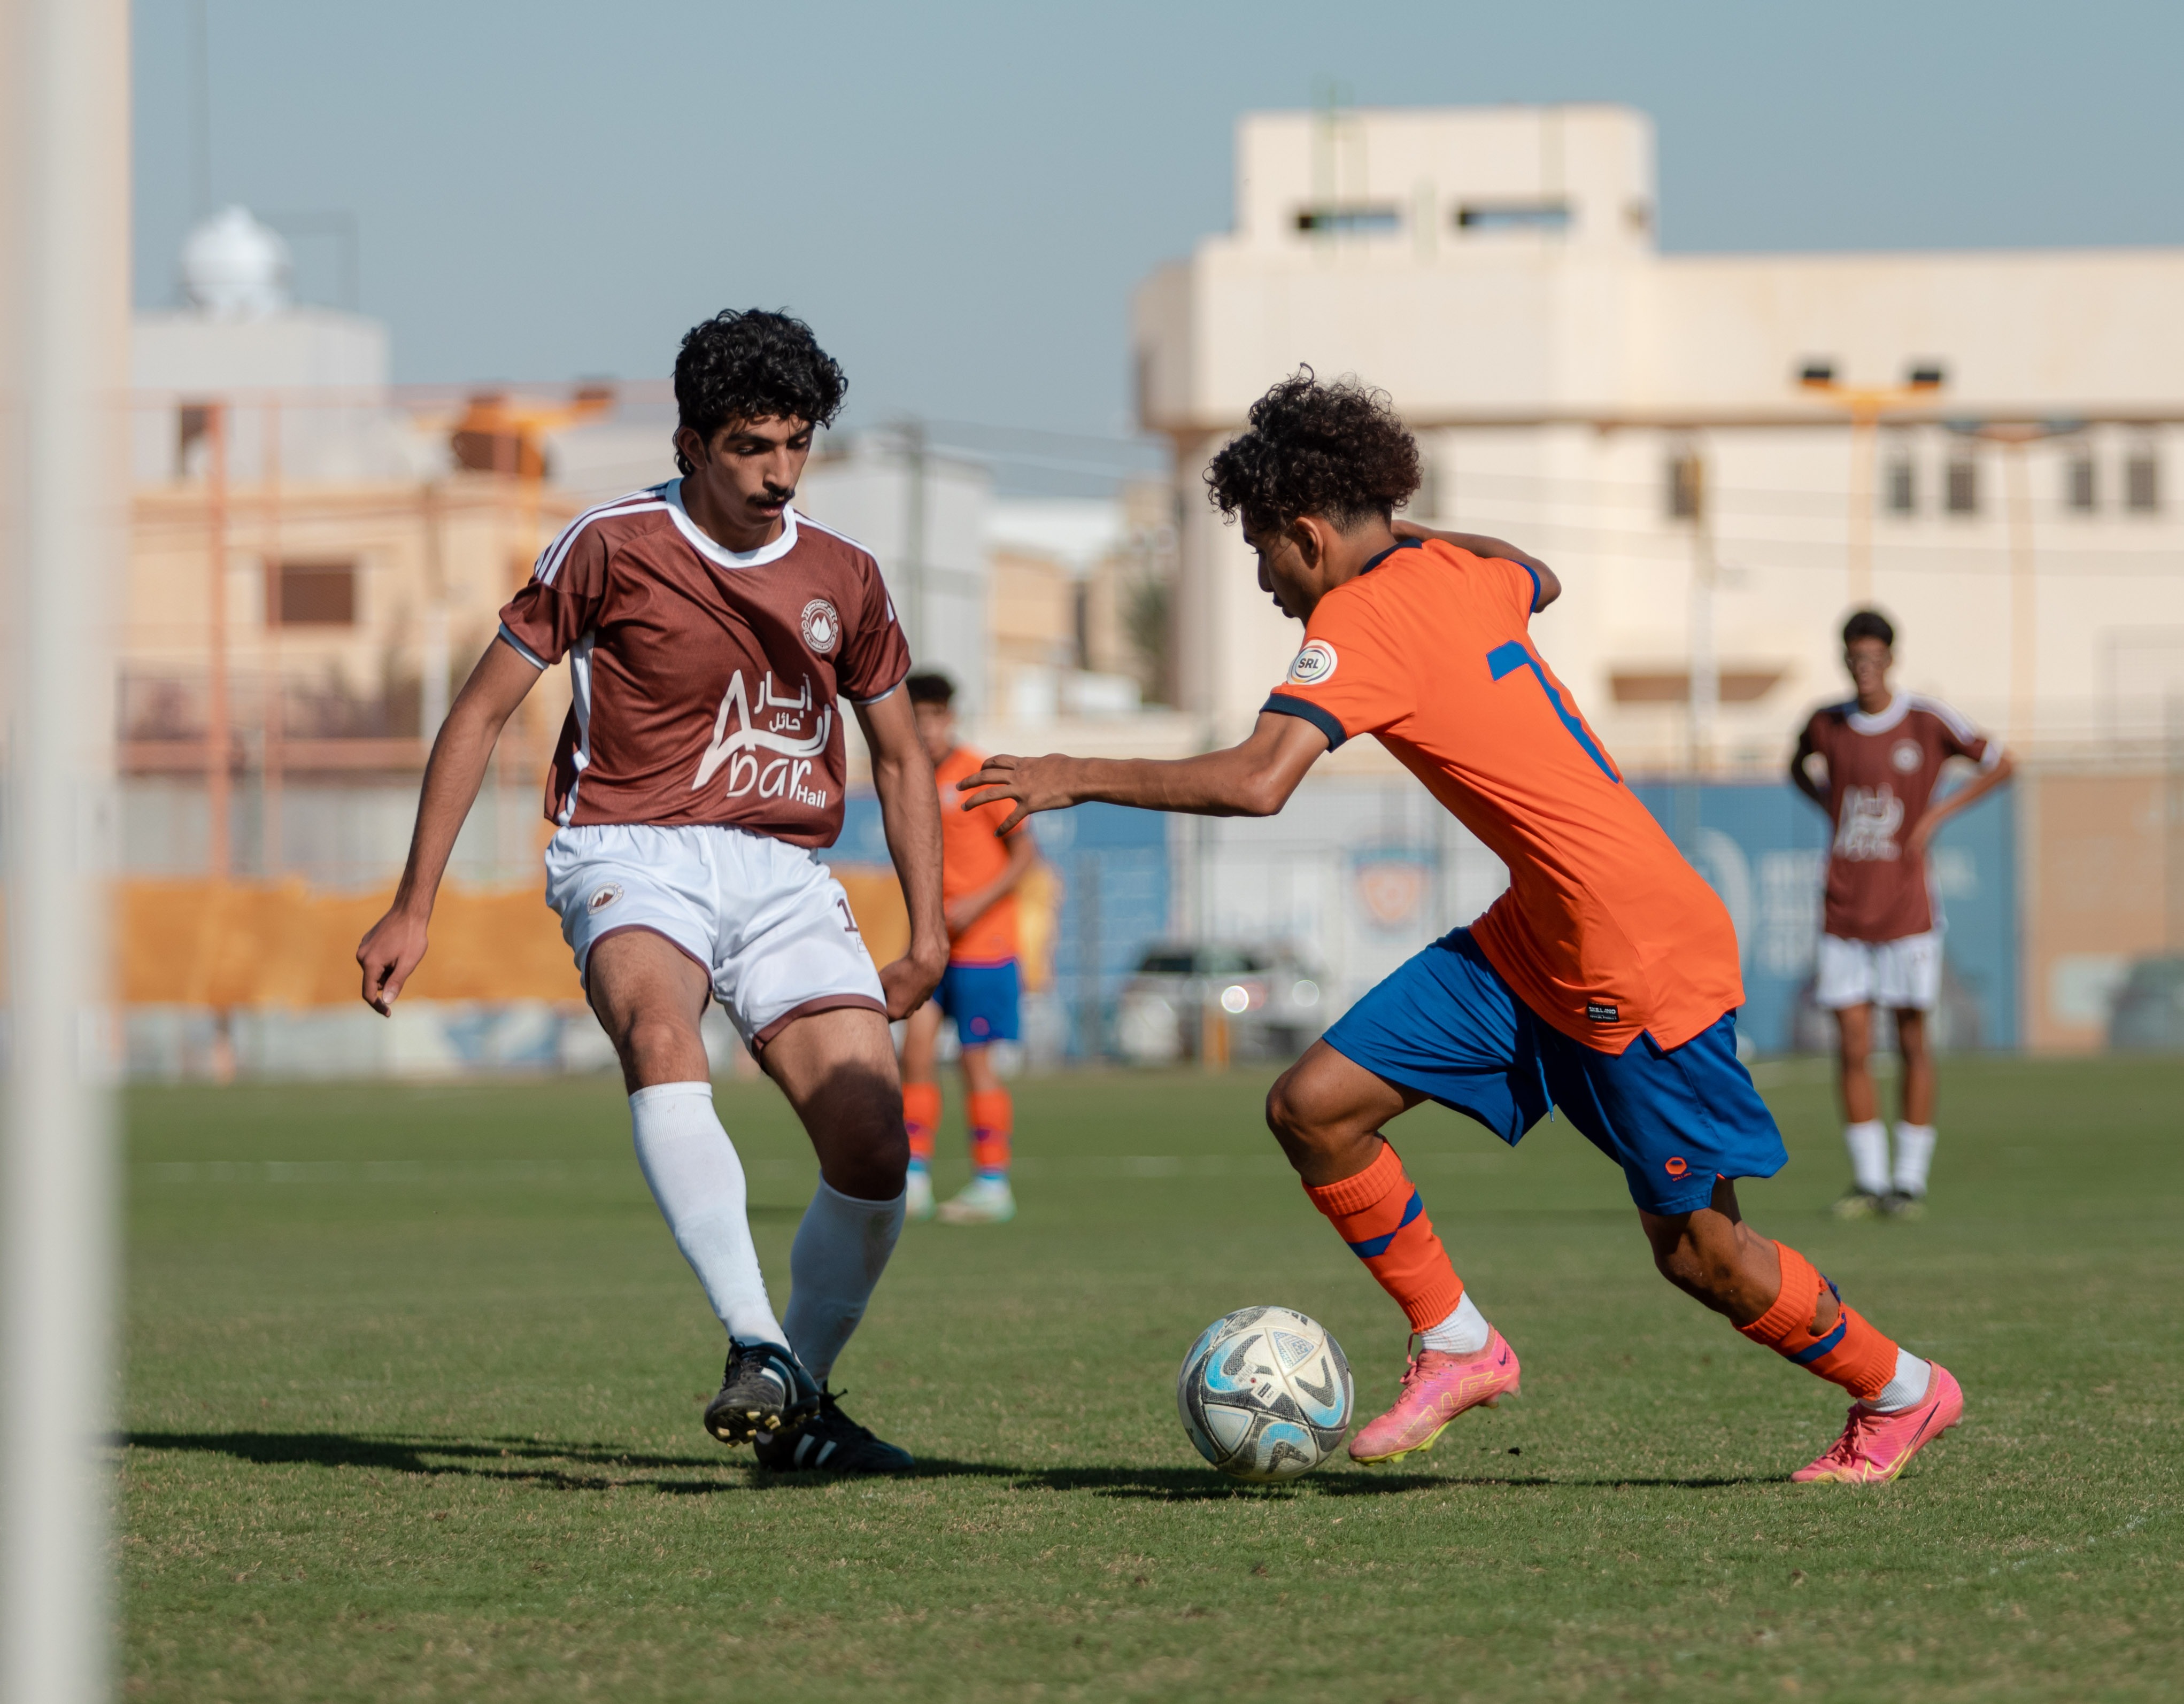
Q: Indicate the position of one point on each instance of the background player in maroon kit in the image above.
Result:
(1881, 943)
(711, 632)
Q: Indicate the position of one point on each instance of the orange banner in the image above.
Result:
(227, 944)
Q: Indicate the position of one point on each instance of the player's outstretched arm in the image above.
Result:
(909, 811)
(1499, 549)
(1253, 779)
(396, 943)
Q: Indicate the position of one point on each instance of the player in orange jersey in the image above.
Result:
(1604, 982)
(980, 868)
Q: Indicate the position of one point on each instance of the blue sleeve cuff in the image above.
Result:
(1281, 704)
(1536, 588)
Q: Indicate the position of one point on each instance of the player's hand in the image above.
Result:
(1035, 783)
(908, 983)
(388, 954)
(961, 913)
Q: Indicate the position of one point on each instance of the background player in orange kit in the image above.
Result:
(1604, 981)
(981, 990)
(1880, 939)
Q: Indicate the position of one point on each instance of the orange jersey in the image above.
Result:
(971, 855)
(1606, 931)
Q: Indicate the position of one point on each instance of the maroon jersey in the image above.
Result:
(704, 682)
(1882, 771)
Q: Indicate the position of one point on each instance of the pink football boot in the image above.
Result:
(1436, 1388)
(1874, 1448)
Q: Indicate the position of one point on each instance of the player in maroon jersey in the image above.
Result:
(1881, 943)
(712, 633)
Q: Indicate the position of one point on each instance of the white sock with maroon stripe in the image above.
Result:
(841, 1248)
(692, 1169)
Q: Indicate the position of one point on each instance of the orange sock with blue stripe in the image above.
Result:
(1850, 1352)
(921, 1118)
(1379, 1213)
(993, 1117)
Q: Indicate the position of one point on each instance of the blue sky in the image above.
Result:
(961, 197)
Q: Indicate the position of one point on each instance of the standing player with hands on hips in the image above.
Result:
(1880, 931)
(711, 632)
(1604, 981)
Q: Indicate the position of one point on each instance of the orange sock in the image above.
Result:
(1850, 1352)
(1379, 1214)
(992, 1122)
(921, 1117)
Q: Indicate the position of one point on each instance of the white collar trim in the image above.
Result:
(1898, 707)
(714, 551)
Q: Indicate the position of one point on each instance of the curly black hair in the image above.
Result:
(1868, 624)
(929, 686)
(754, 365)
(1335, 450)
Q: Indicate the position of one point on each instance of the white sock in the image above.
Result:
(1907, 1390)
(1915, 1155)
(841, 1248)
(1868, 1155)
(692, 1169)
(1464, 1332)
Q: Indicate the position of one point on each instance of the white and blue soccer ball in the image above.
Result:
(1265, 1393)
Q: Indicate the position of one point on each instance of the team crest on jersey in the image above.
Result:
(1906, 756)
(1313, 664)
(603, 897)
(822, 627)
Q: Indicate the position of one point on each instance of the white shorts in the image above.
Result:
(1903, 975)
(767, 922)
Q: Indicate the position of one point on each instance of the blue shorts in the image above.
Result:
(1675, 1119)
(981, 999)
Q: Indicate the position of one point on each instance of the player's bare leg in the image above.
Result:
(1915, 1131)
(1864, 1134)
(651, 997)
(1326, 1110)
(1772, 1296)
(920, 1105)
(837, 1069)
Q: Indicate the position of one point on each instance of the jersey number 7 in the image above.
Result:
(1504, 660)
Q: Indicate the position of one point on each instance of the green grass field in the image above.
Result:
(413, 1377)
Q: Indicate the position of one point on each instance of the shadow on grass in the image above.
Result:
(600, 1467)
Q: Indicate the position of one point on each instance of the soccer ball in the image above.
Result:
(1265, 1393)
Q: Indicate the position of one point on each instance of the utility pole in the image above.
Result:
(1704, 690)
(218, 729)
(1866, 405)
(914, 456)
(64, 528)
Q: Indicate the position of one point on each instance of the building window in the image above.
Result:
(312, 594)
(1349, 221)
(1962, 487)
(2081, 485)
(1553, 217)
(2141, 480)
(1686, 486)
(1899, 485)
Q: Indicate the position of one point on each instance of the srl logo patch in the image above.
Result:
(1675, 1166)
(1906, 756)
(1313, 664)
(822, 627)
(604, 897)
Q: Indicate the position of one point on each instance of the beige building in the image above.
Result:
(1721, 455)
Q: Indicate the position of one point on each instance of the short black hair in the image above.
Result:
(1868, 624)
(754, 365)
(1336, 450)
(930, 687)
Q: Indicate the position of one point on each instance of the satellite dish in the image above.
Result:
(234, 267)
